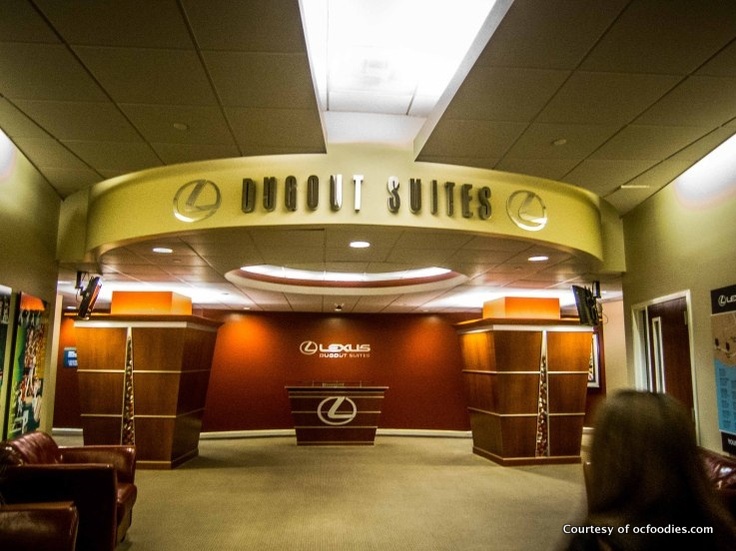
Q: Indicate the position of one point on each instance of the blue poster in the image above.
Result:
(723, 324)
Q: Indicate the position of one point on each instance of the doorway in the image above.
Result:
(663, 353)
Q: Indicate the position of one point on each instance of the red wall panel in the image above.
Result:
(257, 355)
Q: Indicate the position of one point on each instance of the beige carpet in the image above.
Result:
(404, 493)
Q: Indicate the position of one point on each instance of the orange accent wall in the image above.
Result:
(257, 355)
(150, 302)
(523, 308)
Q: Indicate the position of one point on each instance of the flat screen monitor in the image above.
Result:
(586, 305)
(89, 297)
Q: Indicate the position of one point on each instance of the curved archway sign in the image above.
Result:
(350, 185)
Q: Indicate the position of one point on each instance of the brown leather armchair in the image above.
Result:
(99, 480)
(39, 526)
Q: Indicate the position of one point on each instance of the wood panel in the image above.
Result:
(565, 351)
(503, 389)
(171, 366)
(518, 350)
(101, 392)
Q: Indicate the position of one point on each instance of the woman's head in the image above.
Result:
(644, 455)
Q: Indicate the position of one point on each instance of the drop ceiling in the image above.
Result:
(633, 93)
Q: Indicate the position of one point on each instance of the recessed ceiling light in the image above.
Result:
(634, 186)
(360, 244)
(538, 258)
(180, 126)
(560, 141)
(162, 250)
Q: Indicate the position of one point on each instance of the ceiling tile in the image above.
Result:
(174, 153)
(17, 125)
(639, 142)
(44, 71)
(664, 36)
(260, 131)
(137, 75)
(69, 180)
(80, 120)
(581, 140)
(254, 26)
(112, 158)
(204, 125)
(48, 153)
(472, 138)
(604, 176)
(139, 23)
(551, 169)
(504, 94)
(605, 98)
(698, 101)
(722, 64)
(556, 34)
(20, 23)
(245, 79)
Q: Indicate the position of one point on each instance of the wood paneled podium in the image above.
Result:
(526, 383)
(143, 380)
(334, 413)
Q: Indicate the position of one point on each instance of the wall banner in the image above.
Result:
(723, 324)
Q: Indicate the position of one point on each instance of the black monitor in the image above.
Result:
(89, 297)
(586, 305)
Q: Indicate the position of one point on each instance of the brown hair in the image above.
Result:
(646, 466)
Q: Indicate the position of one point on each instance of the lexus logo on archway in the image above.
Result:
(329, 412)
(196, 200)
(527, 210)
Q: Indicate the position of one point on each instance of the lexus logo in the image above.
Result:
(308, 348)
(196, 200)
(332, 416)
(526, 209)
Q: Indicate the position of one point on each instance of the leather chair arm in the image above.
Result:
(39, 526)
(123, 458)
(92, 488)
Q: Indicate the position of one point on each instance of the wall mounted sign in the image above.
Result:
(472, 201)
(723, 325)
(335, 350)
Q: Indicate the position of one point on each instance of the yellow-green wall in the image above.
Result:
(29, 220)
(674, 246)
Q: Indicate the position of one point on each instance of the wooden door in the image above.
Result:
(669, 350)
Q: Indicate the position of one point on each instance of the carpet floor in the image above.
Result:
(404, 493)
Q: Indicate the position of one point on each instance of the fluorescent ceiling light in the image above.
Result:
(389, 57)
(359, 244)
(711, 179)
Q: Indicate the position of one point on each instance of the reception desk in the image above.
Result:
(335, 413)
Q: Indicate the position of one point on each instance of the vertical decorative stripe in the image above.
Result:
(128, 428)
(542, 448)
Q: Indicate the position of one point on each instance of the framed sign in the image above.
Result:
(27, 365)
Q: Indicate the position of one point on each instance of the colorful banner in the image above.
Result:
(723, 324)
(27, 370)
(5, 319)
